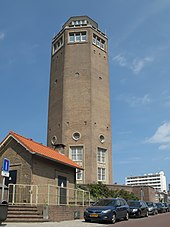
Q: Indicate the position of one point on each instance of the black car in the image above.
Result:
(109, 209)
(138, 208)
(161, 207)
(152, 208)
(166, 207)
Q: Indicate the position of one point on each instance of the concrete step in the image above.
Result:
(24, 216)
(25, 220)
(24, 213)
(22, 209)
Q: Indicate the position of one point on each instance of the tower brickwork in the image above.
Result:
(79, 99)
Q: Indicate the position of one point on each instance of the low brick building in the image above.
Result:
(32, 163)
(144, 192)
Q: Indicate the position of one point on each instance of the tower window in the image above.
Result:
(102, 44)
(83, 36)
(58, 44)
(98, 42)
(71, 37)
(76, 136)
(79, 22)
(101, 155)
(54, 140)
(77, 37)
(77, 74)
(101, 137)
(79, 174)
(76, 153)
(101, 174)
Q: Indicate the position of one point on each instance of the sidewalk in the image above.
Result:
(72, 223)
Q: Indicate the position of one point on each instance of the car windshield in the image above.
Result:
(133, 203)
(149, 204)
(105, 202)
(159, 205)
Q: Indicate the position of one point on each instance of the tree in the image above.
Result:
(100, 190)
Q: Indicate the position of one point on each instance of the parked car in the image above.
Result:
(152, 208)
(138, 208)
(166, 207)
(109, 209)
(161, 207)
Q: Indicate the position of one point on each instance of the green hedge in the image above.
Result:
(100, 190)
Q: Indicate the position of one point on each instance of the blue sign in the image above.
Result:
(6, 164)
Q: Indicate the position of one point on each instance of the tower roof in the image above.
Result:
(80, 19)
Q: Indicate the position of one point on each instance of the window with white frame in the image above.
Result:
(98, 42)
(79, 174)
(75, 37)
(101, 174)
(101, 155)
(71, 37)
(76, 153)
(58, 44)
(79, 22)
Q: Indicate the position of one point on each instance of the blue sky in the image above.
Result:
(139, 64)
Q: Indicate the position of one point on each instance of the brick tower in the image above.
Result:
(79, 122)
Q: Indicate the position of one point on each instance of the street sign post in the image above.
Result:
(4, 173)
(5, 168)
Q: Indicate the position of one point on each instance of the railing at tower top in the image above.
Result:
(47, 194)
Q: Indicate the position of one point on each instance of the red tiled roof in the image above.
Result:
(44, 151)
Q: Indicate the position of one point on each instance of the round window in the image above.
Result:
(76, 136)
(101, 138)
(77, 74)
(54, 140)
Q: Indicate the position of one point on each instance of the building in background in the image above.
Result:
(79, 123)
(156, 180)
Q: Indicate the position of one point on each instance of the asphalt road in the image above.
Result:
(160, 220)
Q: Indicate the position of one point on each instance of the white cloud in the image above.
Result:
(161, 136)
(164, 147)
(2, 36)
(121, 60)
(146, 99)
(136, 65)
(134, 101)
(137, 101)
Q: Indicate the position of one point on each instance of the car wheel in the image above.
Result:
(147, 214)
(113, 218)
(127, 216)
(139, 214)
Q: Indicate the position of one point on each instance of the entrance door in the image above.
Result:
(12, 179)
(62, 183)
